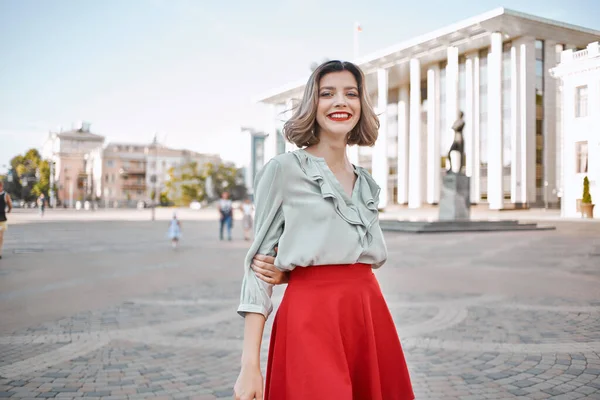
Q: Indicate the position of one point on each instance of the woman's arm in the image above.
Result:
(249, 384)
(255, 298)
(253, 331)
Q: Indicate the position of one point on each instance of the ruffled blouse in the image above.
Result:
(301, 208)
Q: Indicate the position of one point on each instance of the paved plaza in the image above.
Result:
(98, 305)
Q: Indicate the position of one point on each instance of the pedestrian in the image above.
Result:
(5, 208)
(226, 213)
(247, 220)
(42, 203)
(333, 336)
(174, 231)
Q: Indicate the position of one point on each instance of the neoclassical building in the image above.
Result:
(494, 68)
(579, 74)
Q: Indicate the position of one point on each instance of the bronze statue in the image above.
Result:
(457, 149)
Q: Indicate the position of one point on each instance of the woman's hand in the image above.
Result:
(249, 384)
(265, 269)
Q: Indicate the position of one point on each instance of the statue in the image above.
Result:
(457, 149)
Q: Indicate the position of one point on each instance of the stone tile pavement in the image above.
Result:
(105, 309)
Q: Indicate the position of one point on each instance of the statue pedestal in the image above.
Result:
(455, 199)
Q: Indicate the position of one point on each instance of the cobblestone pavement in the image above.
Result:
(106, 309)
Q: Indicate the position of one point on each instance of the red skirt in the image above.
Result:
(334, 338)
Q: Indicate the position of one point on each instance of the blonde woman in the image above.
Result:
(333, 336)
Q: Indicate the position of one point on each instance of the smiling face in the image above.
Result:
(339, 107)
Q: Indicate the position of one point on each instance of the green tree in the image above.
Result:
(193, 182)
(224, 178)
(31, 176)
(185, 184)
(164, 198)
(43, 183)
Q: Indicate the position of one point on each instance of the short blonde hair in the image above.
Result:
(301, 128)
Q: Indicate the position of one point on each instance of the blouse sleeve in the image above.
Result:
(255, 295)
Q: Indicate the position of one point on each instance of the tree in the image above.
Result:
(30, 176)
(224, 178)
(192, 182)
(185, 184)
(43, 183)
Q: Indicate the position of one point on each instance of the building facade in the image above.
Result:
(118, 174)
(68, 152)
(123, 176)
(578, 75)
(132, 172)
(494, 68)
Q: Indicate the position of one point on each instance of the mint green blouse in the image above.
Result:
(301, 208)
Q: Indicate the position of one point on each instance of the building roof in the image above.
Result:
(468, 35)
(576, 62)
(80, 134)
(135, 150)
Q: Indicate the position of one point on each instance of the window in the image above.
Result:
(110, 163)
(581, 149)
(581, 101)
(106, 178)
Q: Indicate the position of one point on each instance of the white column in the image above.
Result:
(415, 146)
(515, 128)
(433, 138)
(550, 147)
(271, 139)
(476, 149)
(572, 187)
(403, 129)
(468, 117)
(451, 95)
(527, 119)
(494, 141)
(380, 159)
(248, 179)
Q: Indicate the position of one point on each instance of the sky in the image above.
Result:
(190, 70)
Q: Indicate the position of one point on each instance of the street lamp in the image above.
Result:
(154, 177)
(52, 197)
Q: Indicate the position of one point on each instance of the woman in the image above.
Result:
(333, 336)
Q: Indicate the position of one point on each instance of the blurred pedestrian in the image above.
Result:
(174, 231)
(226, 213)
(41, 201)
(247, 209)
(5, 208)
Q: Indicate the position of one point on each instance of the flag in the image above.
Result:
(358, 28)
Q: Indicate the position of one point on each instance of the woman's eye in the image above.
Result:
(352, 94)
(326, 94)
